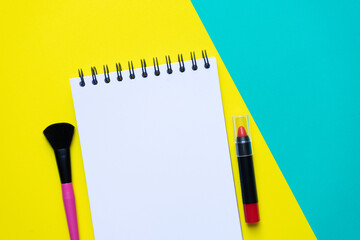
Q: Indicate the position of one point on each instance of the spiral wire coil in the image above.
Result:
(144, 74)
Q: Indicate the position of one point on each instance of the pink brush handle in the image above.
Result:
(70, 209)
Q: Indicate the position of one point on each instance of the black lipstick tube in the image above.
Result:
(246, 169)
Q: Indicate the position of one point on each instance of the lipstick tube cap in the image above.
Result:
(241, 127)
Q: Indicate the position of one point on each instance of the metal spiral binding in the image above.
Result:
(206, 60)
(168, 65)
(106, 74)
(131, 70)
(93, 74)
(81, 76)
(193, 61)
(143, 68)
(118, 72)
(181, 63)
(156, 67)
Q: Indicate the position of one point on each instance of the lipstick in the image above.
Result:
(246, 168)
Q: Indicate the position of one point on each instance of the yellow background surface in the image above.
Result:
(43, 44)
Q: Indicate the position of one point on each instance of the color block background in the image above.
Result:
(296, 64)
(44, 42)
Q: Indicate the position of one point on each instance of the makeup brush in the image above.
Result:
(59, 136)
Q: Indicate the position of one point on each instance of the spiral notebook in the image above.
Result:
(155, 152)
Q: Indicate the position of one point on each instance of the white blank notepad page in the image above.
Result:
(156, 155)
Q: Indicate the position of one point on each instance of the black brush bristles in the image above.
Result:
(59, 136)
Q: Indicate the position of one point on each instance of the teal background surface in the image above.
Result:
(297, 66)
